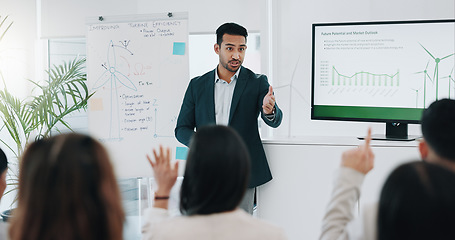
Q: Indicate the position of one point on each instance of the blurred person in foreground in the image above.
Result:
(436, 147)
(215, 180)
(3, 171)
(67, 190)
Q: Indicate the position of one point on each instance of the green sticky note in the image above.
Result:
(179, 48)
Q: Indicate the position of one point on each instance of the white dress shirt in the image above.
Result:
(223, 98)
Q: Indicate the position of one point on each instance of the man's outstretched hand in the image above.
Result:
(269, 102)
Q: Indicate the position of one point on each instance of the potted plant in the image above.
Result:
(38, 115)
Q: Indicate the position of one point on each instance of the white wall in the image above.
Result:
(292, 62)
(290, 39)
(66, 18)
(17, 49)
(17, 61)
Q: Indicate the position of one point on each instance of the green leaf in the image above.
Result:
(64, 92)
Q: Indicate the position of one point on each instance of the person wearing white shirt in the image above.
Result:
(436, 147)
(215, 179)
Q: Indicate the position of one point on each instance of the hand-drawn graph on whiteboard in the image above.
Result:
(138, 68)
(112, 78)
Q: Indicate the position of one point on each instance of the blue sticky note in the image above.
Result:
(181, 153)
(179, 48)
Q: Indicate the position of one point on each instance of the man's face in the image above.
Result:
(231, 51)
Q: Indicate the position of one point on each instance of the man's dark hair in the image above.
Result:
(217, 172)
(438, 127)
(3, 161)
(231, 29)
(417, 202)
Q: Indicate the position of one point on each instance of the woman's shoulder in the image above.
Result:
(258, 226)
(236, 224)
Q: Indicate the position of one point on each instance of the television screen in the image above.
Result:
(381, 71)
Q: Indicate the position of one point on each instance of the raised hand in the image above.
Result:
(165, 174)
(360, 159)
(269, 102)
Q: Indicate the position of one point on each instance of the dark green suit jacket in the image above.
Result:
(198, 109)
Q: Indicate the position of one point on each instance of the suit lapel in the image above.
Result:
(239, 87)
(210, 90)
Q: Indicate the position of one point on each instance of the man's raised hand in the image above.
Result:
(269, 102)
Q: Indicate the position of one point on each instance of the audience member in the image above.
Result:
(438, 129)
(215, 180)
(3, 171)
(67, 190)
(417, 202)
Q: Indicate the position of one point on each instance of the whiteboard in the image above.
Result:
(138, 68)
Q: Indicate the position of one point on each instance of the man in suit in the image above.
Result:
(232, 95)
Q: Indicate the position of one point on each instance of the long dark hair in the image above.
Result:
(67, 190)
(216, 173)
(3, 161)
(417, 202)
